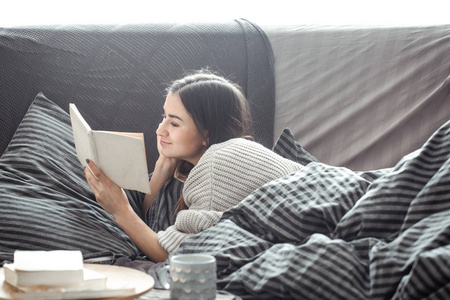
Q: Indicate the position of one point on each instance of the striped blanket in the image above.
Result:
(331, 233)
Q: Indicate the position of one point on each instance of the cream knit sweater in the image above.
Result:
(224, 176)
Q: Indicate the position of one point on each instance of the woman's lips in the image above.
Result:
(163, 143)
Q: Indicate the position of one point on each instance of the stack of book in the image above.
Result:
(58, 274)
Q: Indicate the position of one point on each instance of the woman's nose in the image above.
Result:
(161, 130)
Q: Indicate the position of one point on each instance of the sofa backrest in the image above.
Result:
(117, 75)
(361, 97)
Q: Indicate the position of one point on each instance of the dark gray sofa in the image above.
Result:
(116, 75)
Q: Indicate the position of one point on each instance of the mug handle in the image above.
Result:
(164, 277)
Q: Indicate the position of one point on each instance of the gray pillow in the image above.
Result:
(289, 148)
(46, 202)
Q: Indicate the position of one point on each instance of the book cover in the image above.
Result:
(120, 155)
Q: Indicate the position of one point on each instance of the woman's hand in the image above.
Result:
(114, 200)
(165, 166)
(109, 195)
(164, 169)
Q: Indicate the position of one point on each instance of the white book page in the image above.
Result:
(81, 137)
(122, 158)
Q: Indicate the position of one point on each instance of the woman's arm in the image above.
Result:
(114, 200)
(144, 238)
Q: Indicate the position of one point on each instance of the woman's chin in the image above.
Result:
(167, 153)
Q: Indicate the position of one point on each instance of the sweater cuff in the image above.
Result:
(170, 239)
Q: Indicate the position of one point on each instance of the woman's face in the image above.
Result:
(178, 137)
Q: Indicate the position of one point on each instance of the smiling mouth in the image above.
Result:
(163, 143)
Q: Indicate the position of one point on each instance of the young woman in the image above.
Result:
(203, 140)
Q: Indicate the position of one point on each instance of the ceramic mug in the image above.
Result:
(192, 276)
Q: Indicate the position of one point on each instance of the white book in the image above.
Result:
(121, 156)
(56, 268)
(92, 280)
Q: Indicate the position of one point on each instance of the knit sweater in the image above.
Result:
(223, 177)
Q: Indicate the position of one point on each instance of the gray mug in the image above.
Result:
(192, 276)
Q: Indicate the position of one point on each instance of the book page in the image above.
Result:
(122, 158)
(81, 137)
(138, 135)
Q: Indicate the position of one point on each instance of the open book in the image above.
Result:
(120, 156)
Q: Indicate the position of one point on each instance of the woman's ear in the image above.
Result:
(206, 140)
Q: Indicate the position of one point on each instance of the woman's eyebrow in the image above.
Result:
(174, 117)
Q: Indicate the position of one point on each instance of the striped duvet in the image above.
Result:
(331, 233)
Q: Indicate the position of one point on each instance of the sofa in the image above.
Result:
(364, 109)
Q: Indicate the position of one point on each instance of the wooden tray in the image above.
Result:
(116, 277)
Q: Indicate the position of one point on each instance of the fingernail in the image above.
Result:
(87, 160)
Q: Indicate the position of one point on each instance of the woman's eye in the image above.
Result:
(171, 123)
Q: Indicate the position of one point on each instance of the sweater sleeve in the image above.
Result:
(188, 222)
(170, 239)
(195, 221)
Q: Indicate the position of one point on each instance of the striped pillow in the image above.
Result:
(46, 202)
(289, 148)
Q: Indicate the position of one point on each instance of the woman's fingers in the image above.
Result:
(92, 167)
(94, 176)
(108, 194)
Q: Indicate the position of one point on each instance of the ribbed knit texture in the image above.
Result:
(226, 174)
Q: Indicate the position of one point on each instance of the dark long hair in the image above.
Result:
(218, 107)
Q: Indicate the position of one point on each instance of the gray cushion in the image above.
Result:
(46, 202)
